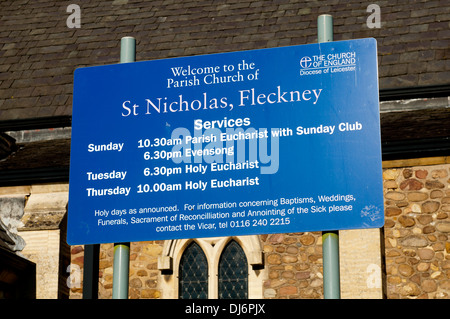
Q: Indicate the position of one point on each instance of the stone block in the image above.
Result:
(361, 275)
(43, 249)
(44, 210)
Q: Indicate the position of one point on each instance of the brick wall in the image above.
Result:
(294, 263)
(417, 227)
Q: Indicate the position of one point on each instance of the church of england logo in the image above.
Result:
(305, 62)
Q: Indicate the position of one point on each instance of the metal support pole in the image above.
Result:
(331, 277)
(121, 270)
(324, 28)
(122, 250)
(127, 50)
(90, 273)
(330, 240)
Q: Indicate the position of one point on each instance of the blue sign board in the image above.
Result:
(263, 141)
